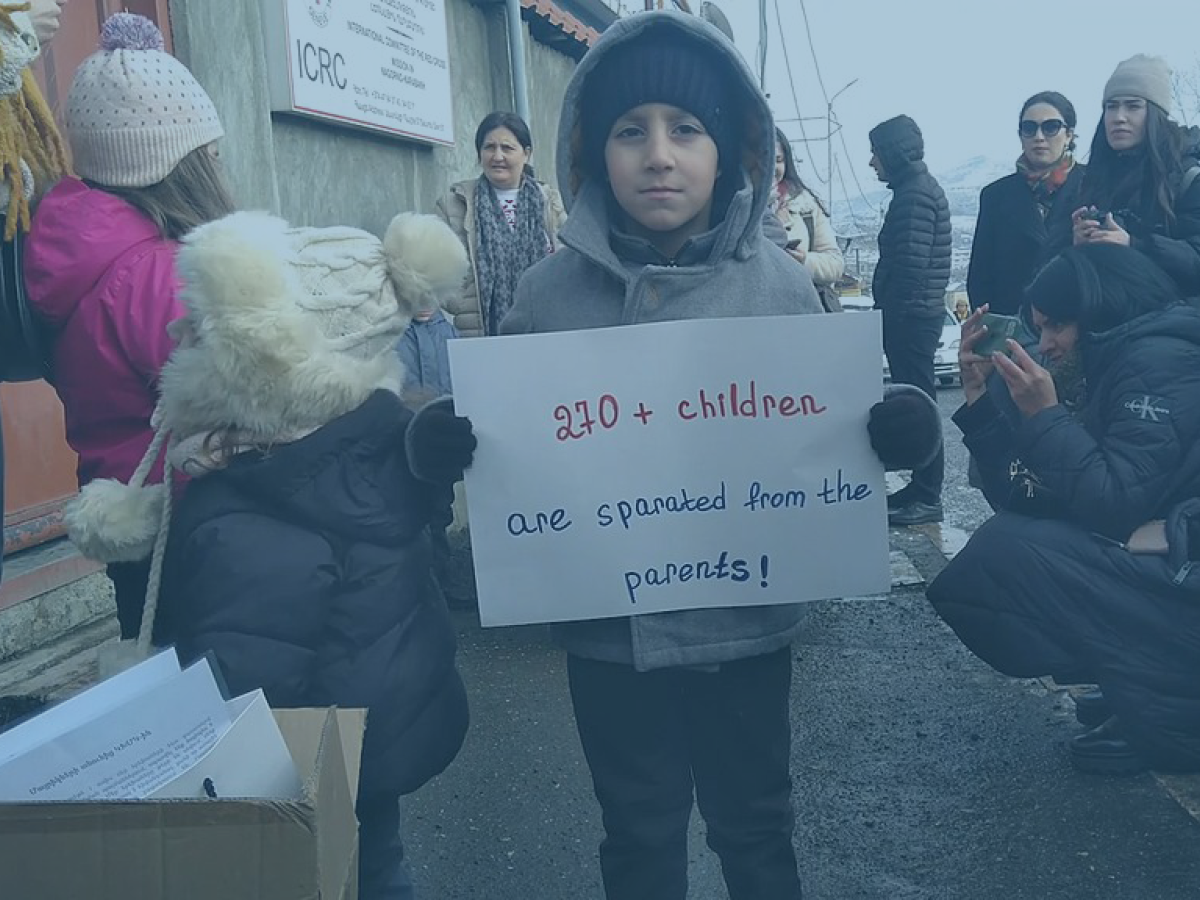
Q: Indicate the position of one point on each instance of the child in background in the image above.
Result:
(426, 360)
(100, 259)
(666, 156)
(31, 155)
(423, 352)
(297, 553)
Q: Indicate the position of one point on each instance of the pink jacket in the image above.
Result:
(103, 278)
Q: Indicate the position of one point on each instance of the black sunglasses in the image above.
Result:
(1049, 128)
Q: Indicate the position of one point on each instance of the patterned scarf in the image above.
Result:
(1045, 182)
(506, 252)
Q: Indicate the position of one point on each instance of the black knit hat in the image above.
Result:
(1056, 291)
(660, 66)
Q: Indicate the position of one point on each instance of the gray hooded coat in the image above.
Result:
(602, 278)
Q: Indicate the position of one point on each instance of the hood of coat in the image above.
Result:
(1191, 150)
(18, 49)
(900, 147)
(1179, 322)
(78, 234)
(585, 192)
(1191, 144)
(342, 479)
(288, 328)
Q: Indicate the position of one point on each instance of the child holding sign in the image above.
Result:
(666, 158)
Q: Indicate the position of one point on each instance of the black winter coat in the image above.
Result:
(305, 570)
(915, 242)
(1176, 248)
(1011, 239)
(1130, 453)
(1046, 587)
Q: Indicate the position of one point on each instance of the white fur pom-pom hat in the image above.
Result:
(288, 328)
(285, 329)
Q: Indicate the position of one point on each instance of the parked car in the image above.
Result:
(945, 358)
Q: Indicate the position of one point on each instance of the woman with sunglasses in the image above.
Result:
(1011, 233)
(1142, 187)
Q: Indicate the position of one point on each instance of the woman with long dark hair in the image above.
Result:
(1142, 188)
(1011, 231)
(810, 236)
(505, 218)
(1087, 572)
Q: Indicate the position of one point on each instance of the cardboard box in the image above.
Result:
(224, 849)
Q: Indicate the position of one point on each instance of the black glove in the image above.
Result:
(905, 428)
(440, 445)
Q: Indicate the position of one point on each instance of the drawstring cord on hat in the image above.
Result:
(150, 609)
(138, 480)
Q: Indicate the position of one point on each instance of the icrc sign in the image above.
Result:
(377, 64)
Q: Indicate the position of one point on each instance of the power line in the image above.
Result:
(846, 194)
(811, 49)
(829, 112)
(792, 87)
(764, 40)
(853, 174)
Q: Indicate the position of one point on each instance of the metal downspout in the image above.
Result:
(516, 56)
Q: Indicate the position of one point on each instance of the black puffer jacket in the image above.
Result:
(914, 243)
(1011, 239)
(1130, 453)
(1046, 586)
(306, 571)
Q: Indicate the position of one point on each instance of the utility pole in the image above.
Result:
(764, 40)
(829, 140)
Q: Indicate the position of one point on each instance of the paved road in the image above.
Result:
(920, 774)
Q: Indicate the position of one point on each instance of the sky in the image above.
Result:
(960, 68)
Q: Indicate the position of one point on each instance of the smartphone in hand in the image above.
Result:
(999, 330)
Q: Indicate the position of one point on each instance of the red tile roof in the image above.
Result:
(551, 12)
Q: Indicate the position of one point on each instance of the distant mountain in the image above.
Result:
(863, 217)
(962, 184)
(974, 173)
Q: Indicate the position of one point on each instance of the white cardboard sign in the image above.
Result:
(699, 464)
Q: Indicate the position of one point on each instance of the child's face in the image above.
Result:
(662, 166)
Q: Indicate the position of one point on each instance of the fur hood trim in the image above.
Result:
(427, 264)
(287, 329)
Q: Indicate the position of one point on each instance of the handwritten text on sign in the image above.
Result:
(681, 465)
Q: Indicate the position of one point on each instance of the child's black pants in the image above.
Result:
(650, 737)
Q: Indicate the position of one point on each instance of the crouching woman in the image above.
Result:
(1101, 442)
